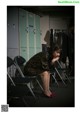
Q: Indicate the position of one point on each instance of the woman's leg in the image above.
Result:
(45, 76)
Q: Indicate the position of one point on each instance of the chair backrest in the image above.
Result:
(10, 62)
(19, 62)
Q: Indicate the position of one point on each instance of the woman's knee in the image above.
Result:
(45, 73)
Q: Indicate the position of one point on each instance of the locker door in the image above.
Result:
(23, 28)
(38, 38)
(23, 33)
(31, 34)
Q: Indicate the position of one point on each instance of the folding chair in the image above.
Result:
(17, 82)
(57, 70)
(19, 62)
(54, 71)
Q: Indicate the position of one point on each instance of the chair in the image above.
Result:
(58, 69)
(10, 62)
(19, 62)
(16, 84)
(55, 70)
(64, 69)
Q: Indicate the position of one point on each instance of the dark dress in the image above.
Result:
(37, 64)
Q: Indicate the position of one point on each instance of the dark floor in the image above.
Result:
(65, 97)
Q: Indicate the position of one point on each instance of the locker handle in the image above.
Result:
(26, 29)
(31, 26)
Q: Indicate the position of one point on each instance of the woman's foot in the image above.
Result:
(49, 94)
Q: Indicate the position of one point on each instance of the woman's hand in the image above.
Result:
(55, 59)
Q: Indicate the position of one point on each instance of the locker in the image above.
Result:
(31, 36)
(37, 24)
(23, 28)
(37, 21)
(31, 29)
(38, 39)
(30, 19)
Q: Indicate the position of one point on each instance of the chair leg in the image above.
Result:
(39, 84)
(55, 79)
(68, 78)
(28, 85)
(60, 76)
(11, 79)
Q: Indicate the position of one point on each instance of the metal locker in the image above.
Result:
(38, 38)
(31, 34)
(22, 28)
(23, 33)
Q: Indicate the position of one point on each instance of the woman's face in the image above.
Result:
(56, 53)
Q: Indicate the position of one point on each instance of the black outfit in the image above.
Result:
(37, 64)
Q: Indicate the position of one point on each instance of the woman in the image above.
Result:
(40, 64)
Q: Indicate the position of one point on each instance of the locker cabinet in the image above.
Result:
(23, 33)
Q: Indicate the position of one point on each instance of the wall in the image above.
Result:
(44, 25)
(58, 23)
(47, 23)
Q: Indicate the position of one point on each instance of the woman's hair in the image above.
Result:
(52, 50)
(56, 48)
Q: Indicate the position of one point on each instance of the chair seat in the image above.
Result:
(31, 76)
(25, 79)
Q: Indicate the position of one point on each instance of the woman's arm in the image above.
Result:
(54, 60)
